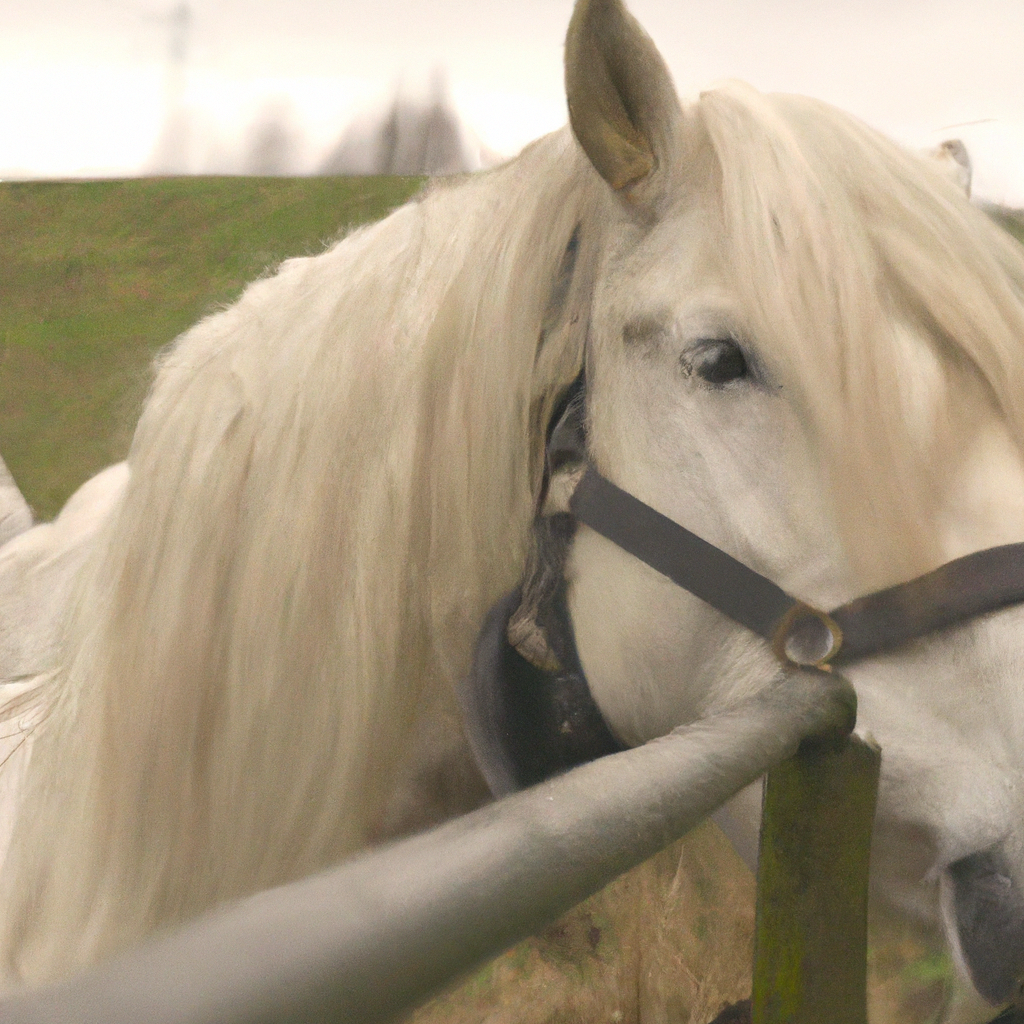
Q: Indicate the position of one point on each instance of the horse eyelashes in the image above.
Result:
(718, 362)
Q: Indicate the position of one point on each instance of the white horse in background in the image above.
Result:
(801, 342)
(15, 515)
(38, 568)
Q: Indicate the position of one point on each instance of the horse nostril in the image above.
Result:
(989, 918)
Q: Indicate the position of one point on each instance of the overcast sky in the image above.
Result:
(87, 83)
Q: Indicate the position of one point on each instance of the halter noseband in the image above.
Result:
(800, 635)
(526, 721)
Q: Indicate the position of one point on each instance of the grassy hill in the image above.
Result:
(1011, 220)
(96, 277)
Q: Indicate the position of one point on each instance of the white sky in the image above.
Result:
(86, 81)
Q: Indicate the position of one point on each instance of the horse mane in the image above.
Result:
(330, 483)
(333, 479)
(896, 306)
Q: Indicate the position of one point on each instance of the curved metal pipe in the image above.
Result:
(370, 939)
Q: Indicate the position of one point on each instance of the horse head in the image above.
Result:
(804, 345)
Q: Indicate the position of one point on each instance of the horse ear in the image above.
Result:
(954, 161)
(622, 104)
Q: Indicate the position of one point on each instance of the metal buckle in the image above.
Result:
(807, 638)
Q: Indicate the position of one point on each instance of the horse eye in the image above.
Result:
(719, 361)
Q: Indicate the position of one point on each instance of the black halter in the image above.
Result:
(981, 582)
(527, 720)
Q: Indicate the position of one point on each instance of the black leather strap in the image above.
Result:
(524, 724)
(960, 590)
(984, 581)
(687, 560)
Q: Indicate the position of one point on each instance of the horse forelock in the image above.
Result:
(894, 307)
(330, 483)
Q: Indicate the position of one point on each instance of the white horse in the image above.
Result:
(38, 569)
(15, 515)
(801, 342)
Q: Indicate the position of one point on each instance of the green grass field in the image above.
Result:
(96, 277)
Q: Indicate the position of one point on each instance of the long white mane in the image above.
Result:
(334, 478)
(330, 483)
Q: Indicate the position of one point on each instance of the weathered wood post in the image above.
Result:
(810, 943)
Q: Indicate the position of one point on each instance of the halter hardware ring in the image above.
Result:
(807, 638)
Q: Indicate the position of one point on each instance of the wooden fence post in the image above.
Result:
(810, 945)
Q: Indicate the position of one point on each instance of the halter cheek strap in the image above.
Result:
(800, 635)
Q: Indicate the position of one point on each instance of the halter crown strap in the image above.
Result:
(962, 589)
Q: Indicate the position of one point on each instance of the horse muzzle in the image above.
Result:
(983, 905)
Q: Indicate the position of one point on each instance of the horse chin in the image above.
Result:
(983, 912)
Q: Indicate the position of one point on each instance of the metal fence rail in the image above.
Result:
(380, 934)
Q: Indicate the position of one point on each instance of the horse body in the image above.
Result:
(15, 515)
(800, 342)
